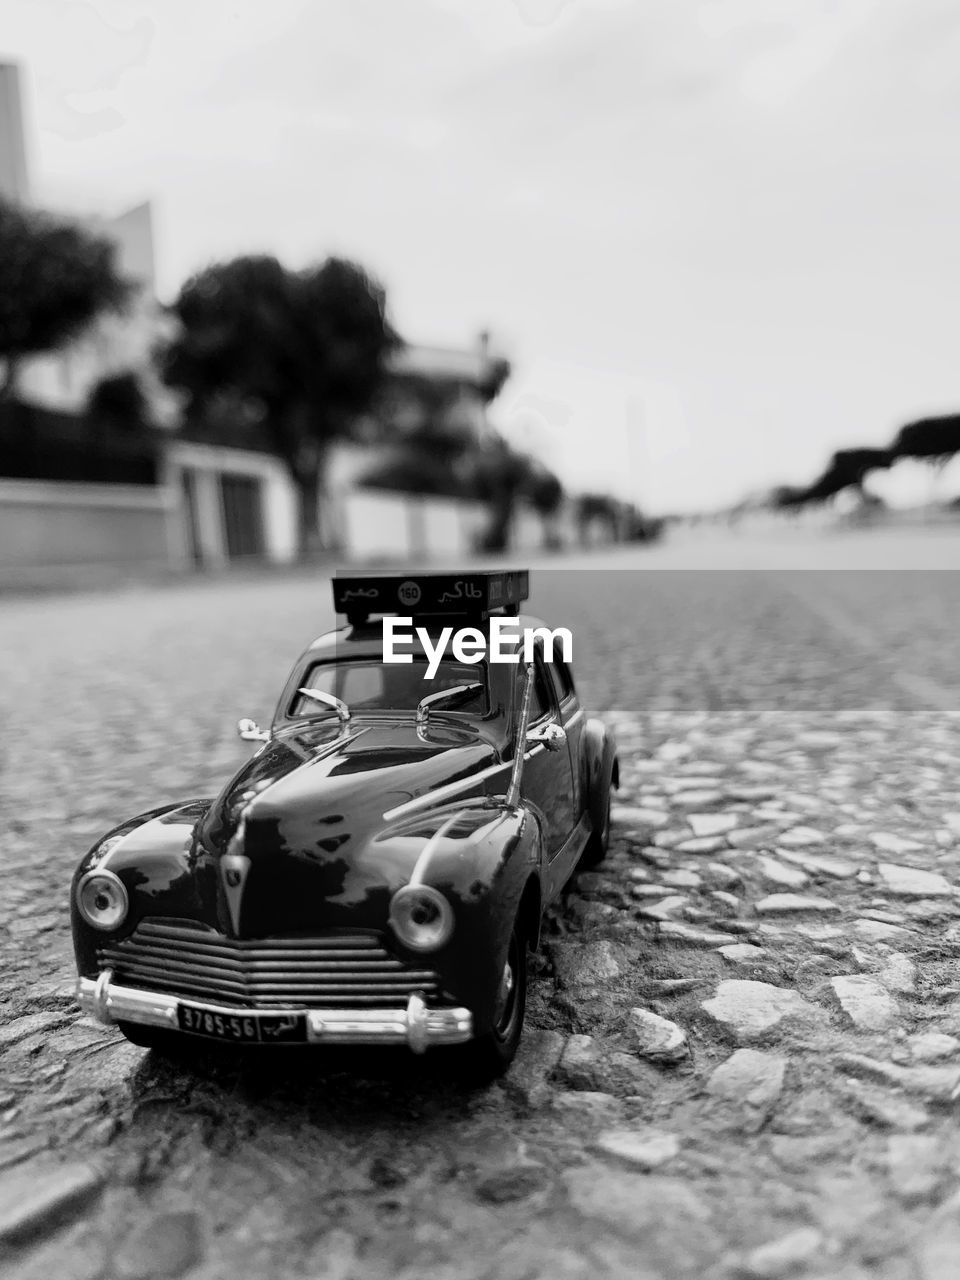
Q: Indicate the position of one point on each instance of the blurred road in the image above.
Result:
(743, 1054)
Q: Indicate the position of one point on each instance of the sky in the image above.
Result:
(717, 239)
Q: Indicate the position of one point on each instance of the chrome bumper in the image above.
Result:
(416, 1026)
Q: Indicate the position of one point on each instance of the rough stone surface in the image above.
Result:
(937, 1083)
(167, 1245)
(538, 1055)
(702, 844)
(801, 837)
(712, 824)
(751, 1010)
(750, 1078)
(782, 873)
(913, 882)
(657, 1038)
(742, 953)
(785, 1256)
(685, 933)
(866, 1002)
(733, 697)
(781, 903)
(34, 1199)
(932, 1046)
(899, 973)
(638, 1148)
(579, 1063)
(887, 842)
(819, 864)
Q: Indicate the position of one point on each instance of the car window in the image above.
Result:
(540, 701)
(379, 686)
(560, 673)
(557, 684)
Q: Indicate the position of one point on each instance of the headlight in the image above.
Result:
(102, 900)
(421, 917)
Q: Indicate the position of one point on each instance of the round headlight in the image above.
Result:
(421, 917)
(102, 900)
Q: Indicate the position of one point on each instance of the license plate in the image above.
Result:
(243, 1028)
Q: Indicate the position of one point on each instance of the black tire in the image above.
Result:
(596, 847)
(491, 1054)
(156, 1038)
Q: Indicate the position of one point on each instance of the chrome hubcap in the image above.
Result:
(507, 982)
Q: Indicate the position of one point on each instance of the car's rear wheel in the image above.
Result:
(492, 1053)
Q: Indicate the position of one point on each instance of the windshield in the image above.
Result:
(376, 686)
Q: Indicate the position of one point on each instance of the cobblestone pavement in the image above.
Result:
(743, 1050)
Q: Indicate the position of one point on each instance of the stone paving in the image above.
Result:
(742, 1056)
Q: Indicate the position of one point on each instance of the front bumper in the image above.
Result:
(416, 1026)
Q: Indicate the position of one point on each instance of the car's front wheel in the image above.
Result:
(492, 1053)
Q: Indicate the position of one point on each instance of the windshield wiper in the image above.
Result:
(328, 700)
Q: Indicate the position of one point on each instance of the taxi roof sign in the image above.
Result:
(472, 595)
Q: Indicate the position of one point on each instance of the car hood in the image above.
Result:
(305, 816)
(321, 787)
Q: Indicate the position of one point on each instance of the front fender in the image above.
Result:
(155, 856)
(481, 857)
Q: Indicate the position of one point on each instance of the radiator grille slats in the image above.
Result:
(347, 970)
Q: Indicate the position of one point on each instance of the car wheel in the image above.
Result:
(492, 1053)
(599, 842)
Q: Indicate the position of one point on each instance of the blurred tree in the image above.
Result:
(120, 403)
(55, 279)
(847, 469)
(934, 440)
(593, 509)
(544, 491)
(499, 475)
(303, 350)
(498, 371)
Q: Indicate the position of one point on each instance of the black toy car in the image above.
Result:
(375, 873)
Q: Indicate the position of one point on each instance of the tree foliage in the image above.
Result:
(847, 469)
(119, 402)
(934, 440)
(304, 351)
(55, 279)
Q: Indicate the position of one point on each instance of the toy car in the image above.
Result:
(376, 872)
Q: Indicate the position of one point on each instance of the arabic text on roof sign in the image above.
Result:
(468, 595)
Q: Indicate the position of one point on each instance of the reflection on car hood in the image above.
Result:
(311, 805)
(374, 765)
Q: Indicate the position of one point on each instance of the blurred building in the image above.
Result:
(14, 181)
(240, 504)
(197, 502)
(114, 344)
(446, 387)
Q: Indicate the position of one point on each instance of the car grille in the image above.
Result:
(198, 963)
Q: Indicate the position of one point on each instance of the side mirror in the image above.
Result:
(549, 735)
(250, 731)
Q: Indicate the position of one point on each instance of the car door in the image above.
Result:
(547, 780)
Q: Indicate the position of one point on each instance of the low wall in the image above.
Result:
(49, 527)
(378, 525)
